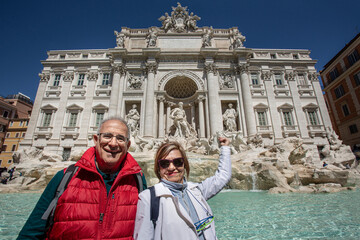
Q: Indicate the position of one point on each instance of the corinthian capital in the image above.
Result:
(241, 68)
(92, 76)
(313, 76)
(68, 76)
(151, 67)
(119, 68)
(210, 68)
(44, 77)
(266, 75)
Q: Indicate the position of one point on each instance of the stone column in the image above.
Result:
(82, 141)
(168, 120)
(246, 94)
(54, 142)
(27, 141)
(119, 71)
(201, 117)
(161, 117)
(215, 114)
(299, 113)
(151, 68)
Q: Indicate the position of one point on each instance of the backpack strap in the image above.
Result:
(154, 206)
(50, 211)
(139, 181)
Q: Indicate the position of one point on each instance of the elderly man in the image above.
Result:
(100, 199)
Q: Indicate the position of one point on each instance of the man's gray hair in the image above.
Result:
(120, 119)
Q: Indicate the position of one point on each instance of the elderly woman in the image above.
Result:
(183, 211)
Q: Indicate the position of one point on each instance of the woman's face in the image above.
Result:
(172, 173)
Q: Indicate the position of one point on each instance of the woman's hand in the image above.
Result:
(224, 141)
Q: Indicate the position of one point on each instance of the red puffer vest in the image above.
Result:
(84, 211)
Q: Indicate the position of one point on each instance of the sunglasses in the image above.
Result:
(165, 163)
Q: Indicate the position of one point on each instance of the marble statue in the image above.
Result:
(206, 38)
(335, 142)
(191, 21)
(229, 118)
(182, 127)
(167, 22)
(133, 118)
(179, 21)
(237, 39)
(151, 37)
(120, 39)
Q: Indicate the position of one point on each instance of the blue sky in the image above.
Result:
(29, 29)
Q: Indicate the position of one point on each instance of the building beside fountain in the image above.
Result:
(178, 81)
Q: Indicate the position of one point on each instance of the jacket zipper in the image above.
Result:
(101, 218)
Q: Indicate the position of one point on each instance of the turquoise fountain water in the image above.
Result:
(243, 215)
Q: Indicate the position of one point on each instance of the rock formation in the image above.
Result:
(290, 166)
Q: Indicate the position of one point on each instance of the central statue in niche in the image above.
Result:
(181, 128)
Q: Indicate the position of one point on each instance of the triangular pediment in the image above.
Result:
(74, 107)
(261, 105)
(311, 105)
(100, 106)
(285, 106)
(48, 107)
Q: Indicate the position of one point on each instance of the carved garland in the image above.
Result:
(68, 76)
(92, 76)
(44, 77)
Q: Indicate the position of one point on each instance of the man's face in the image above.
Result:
(111, 152)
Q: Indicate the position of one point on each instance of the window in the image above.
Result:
(295, 56)
(9, 161)
(262, 118)
(47, 119)
(313, 119)
(357, 79)
(339, 91)
(273, 56)
(21, 123)
(254, 79)
(62, 56)
(99, 118)
(353, 129)
(106, 78)
(7, 135)
(23, 135)
(57, 80)
(5, 114)
(2, 128)
(27, 123)
(278, 79)
(85, 56)
(81, 79)
(13, 148)
(11, 123)
(287, 118)
(301, 79)
(353, 57)
(345, 110)
(73, 119)
(4, 147)
(17, 135)
(334, 74)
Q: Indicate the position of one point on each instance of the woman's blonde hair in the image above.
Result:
(164, 150)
